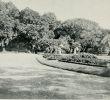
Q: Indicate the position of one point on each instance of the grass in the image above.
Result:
(104, 57)
(101, 71)
(31, 80)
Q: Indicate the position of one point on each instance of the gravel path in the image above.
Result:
(21, 76)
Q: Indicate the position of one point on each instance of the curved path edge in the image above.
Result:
(100, 71)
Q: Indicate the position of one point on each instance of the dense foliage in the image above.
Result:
(44, 33)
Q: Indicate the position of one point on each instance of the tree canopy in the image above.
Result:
(31, 28)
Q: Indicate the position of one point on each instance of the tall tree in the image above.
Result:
(50, 19)
(6, 29)
(81, 30)
(28, 16)
(8, 15)
(105, 43)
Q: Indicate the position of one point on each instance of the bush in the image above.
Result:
(88, 55)
(84, 58)
(52, 56)
(46, 55)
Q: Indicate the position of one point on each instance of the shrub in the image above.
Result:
(85, 58)
(52, 56)
(88, 55)
(46, 55)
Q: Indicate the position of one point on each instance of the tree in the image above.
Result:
(11, 10)
(105, 43)
(33, 27)
(88, 33)
(78, 27)
(46, 25)
(50, 19)
(8, 14)
(89, 42)
(33, 30)
(28, 34)
(75, 47)
(28, 16)
(6, 29)
(2, 6)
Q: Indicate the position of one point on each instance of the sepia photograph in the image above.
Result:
(55, 49)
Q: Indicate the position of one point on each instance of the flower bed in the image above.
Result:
(81, 68)
(83, 58)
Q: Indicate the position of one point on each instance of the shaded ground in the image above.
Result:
(21, 76)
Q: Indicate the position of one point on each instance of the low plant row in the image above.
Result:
(52, 56)
(83, 58)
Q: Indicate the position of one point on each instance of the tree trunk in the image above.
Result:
(75, 51)
(4, 50)
(4, 43)
(3, 46)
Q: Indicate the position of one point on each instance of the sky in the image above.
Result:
(95, 10)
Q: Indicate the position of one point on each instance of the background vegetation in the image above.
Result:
(27, 30)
